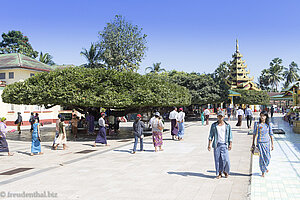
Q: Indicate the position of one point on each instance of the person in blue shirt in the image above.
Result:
(220, 137)
(264, 134)
(249, 116)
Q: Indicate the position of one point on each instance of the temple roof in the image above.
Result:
(16, 60)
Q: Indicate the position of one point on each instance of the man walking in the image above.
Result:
(220, 137)
(272, 111)
(31, 121)
(138, 127)
(249, 116)
(206, 114)
(174, 126)
(180, 121)
(19, 122)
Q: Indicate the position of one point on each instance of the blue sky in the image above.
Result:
(182, 35)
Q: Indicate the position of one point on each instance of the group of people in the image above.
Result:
(220, 136)
(156, 123)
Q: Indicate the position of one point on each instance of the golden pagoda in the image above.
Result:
(238, 78)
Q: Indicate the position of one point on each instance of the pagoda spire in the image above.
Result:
(238, 75)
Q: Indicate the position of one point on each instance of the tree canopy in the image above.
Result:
(252, 97)
(16, 42)
(122, 45)
(81, 88)
(203, 88)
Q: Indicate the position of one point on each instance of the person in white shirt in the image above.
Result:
(180, 121)
(101, 136)
(220, 138)
(206, 115)
(174, 126)
(239, 114)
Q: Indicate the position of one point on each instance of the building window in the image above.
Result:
(31, 74)
(11, 75)
(2, 75)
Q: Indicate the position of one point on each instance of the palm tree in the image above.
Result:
(156, 68)
(46, 58)
(291, 74)
(264, 80)
(92, 56)
(275, 73)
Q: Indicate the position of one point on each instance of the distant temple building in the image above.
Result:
(238, 78)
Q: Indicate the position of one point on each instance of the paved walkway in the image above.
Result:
(283, 180)
(184, 170)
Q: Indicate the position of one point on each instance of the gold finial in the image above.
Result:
(237, 45)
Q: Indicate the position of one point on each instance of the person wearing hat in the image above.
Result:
(3, 142)
(19, 121)
(138, 127)
(206, 113)
(101, 136)
(180, 121)
(157, 129)
(174, 126)
(220, 137)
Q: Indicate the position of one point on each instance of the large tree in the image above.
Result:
(82, 88)
(203, 88)
(252, 97)
(222, 72)
(291, 74)
(264, 80)
(16, 42)
(122, 45)
(275, 73)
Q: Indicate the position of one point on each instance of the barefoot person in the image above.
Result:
(3, 142)
(101, 136)
(263, 132)
(62, 136)
(157, 129)
(36, 139)
(221, 134)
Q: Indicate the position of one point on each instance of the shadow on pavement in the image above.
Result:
(23, 152)
(192, 174)
(232, 173)
(124, 151)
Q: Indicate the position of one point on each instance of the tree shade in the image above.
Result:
(82, 88)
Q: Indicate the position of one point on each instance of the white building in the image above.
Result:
(16, 67)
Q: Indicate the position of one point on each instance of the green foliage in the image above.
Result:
(291, 74)
(85, 87)
(203, 88)
(46, 58)
(252, 97)
(156, 68)
(264, 80)
(275, 73)
(15, 42)
(222, 72)
(122, 45)
(92, 56)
